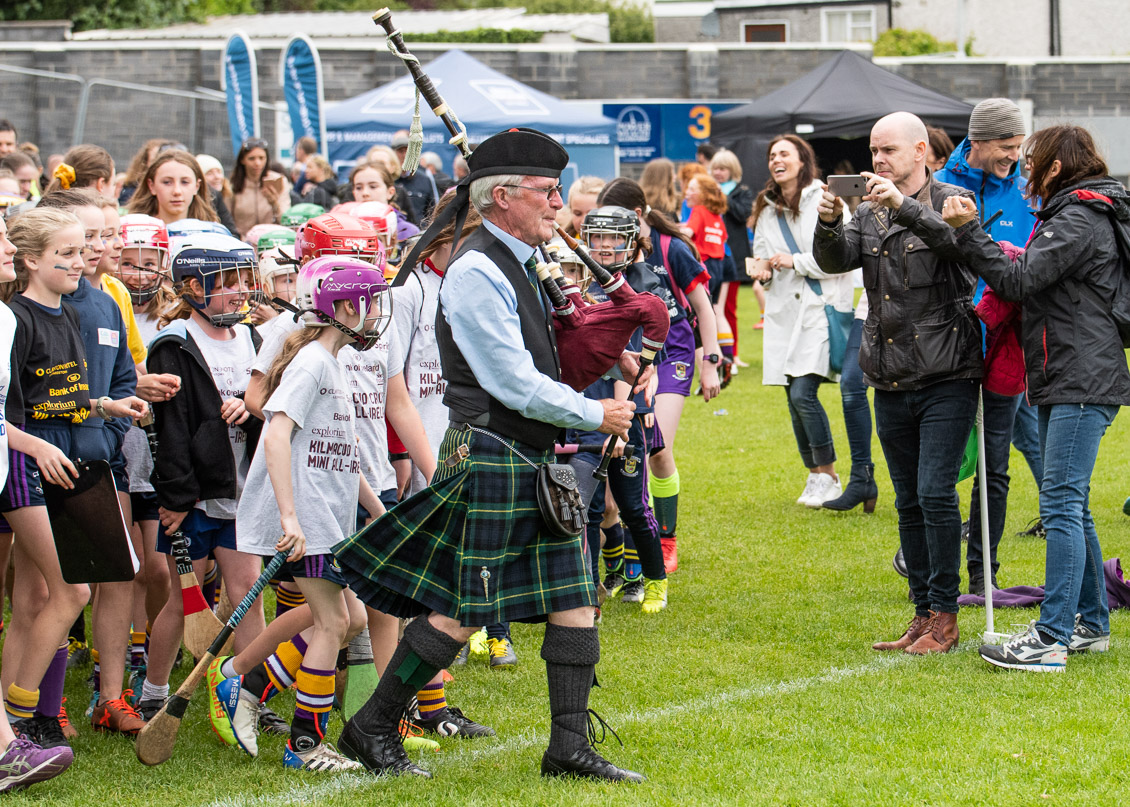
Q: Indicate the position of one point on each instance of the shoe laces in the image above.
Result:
(499, 647)
(1017, 639)
(50, 729)
(653, 590)
(123, 705)
(407, 727)
(64, 721)
(594, 721)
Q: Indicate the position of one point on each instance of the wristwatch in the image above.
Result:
(100, 407)
(713, 358)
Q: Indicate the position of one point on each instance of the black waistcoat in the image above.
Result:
(465, 396)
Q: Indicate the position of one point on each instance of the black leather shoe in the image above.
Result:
(381, 753)
(587, 764)
(900, 564)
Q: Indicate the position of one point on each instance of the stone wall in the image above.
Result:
(44, 108)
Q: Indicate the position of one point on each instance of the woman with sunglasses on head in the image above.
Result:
(1070, 282)
(259, 195)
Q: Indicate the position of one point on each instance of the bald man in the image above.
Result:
(921, 351)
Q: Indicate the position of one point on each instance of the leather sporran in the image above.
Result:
(559, 500)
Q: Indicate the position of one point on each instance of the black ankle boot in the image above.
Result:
(861, 489)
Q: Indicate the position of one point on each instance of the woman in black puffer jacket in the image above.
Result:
(1066, 281)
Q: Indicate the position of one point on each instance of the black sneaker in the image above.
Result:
(633, 591)
(1026, 651)
(48, 732)
(977, 585)
(271, 723)
(1086, 640)
(451, 722)
(965, 531)
(1035, 529)
(614, 584)
(148, 709)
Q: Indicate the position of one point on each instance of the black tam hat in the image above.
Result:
(518, 151)
(526, 152)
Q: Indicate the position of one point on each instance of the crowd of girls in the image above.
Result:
(291, 402)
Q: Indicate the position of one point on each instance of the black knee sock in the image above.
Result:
(570, 657)
(424, 651)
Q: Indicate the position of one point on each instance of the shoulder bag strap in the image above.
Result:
(787, 232)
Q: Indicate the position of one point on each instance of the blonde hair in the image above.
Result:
(586, 185)
(728, 160)
(32, 232)
(294, 343)
(323, 165)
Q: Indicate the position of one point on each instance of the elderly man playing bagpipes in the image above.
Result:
(481, 545)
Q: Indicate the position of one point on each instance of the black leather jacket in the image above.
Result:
(921, 327)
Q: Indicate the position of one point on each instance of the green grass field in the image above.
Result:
(757, 685)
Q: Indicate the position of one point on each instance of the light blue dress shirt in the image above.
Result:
(481, 307)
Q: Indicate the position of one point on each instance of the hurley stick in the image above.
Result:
(200, 624)
(155, 742)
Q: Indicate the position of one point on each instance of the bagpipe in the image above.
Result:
(590, 337)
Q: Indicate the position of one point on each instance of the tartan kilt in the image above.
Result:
(432, 552)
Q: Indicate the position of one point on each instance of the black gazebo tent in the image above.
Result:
(838, 101)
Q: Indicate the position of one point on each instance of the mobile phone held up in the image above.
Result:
(845, 185)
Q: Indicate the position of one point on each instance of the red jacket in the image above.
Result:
(1005, 372)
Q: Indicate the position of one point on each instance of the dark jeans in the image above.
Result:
(853, 394)
(1000, 412)
(810, 421)
(1074, 582)
(923, 434)
(1026, 438)
(583, 464)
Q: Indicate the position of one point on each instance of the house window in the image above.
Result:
(765, 32)
(847, 25)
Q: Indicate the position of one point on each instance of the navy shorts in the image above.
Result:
(25, 488)
(121, 475)
(388, 499)
(312, 567)
(203, 534)
(144, 506)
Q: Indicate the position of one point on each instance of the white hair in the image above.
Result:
(482, 190)
(430, 158)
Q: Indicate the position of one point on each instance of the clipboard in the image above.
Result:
(90, 533)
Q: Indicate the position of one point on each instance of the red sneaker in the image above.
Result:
(670, 554)
(759, 325)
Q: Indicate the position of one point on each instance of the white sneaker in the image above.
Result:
(321, 757)
(809, 489)
(826, 488)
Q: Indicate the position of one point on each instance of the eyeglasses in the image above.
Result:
(552, 189)
(254, 143)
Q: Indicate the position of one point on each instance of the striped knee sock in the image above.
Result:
(287, 598)
(283, 665)
(315, 698)
(20, 704)
(431, 700)
(137, 649)
(632, 568)
(209, 587)
(613, 551)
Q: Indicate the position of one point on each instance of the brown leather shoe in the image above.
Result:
(940, 636)
(913, 631)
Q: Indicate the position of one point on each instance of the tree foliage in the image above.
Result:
(628, 20)
(901, 42)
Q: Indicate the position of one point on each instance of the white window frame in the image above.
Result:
(743, 23)
(824, 12)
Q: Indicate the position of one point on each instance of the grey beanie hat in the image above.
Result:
(996, 119)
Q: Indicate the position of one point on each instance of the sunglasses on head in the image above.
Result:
(254, 143)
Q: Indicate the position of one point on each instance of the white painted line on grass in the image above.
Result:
(302, 794)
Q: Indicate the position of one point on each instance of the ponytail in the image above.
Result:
(294, 343)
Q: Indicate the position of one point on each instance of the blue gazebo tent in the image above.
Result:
(486, 102)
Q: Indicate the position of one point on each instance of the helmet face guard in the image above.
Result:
(323, 282)
(140, 232)
(227, 272)
(612, 230)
